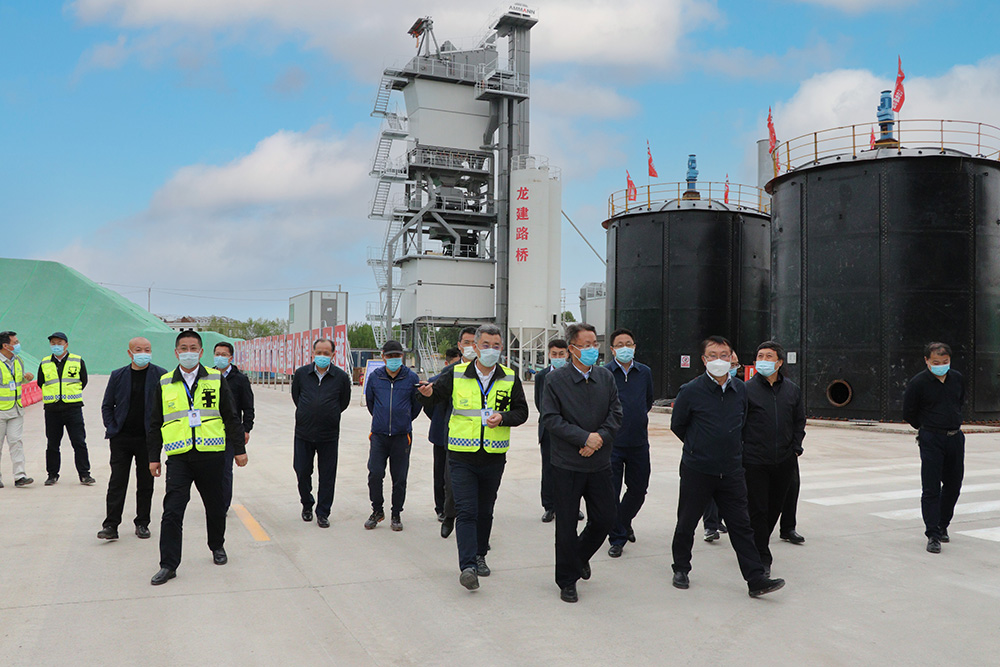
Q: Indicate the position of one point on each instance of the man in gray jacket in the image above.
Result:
(581, 413)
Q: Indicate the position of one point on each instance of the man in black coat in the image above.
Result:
(320, 391)
(558, 357)
(772, 441)
(242, 402)
(127, 404)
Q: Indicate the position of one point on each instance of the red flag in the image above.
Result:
(898, 94)
(871, 139)
(652, 169)
(772, 140)
(725, 198)
(630, 191)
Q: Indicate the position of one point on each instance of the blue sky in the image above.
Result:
(219, 149)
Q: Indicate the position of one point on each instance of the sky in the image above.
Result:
(213, 155)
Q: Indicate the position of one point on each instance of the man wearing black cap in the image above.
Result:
(391, 397)
(62, 377)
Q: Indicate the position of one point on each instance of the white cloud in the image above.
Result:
(859, 6)
(576, 98)
(742, 63)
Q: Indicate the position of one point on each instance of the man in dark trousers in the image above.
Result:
(242, 402)
(126, 410)
(438, 436)
(193, 420)
(787, 522)
(558, 357)
(487, 400)
(582, 413)
(708, 417)
(62, 377)
(391, 397)
(630, 454)
(321, 392)
(772, 442)
(932, 404)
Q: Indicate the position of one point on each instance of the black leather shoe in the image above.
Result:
(51, 480)
(482, 569)
(681, 580)
(793, 537)
(163, 576)
(307, 514)
(108, 533)
(548, 516)
(933, 545)
(469, 578)
(615, 551)
(23, 481)
(87, 480)
(322, 521)
(944, 536)
(219, 557)
(568, 594)
(142, 532)
(711, 535)
(765, 586)
(447, 526)
(585, 571)
(631, 535)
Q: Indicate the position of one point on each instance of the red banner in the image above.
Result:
(652, 169)
(772, 140)
(898, 94)
(630, 190)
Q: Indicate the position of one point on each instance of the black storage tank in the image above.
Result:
(873, 257)
(684, 269)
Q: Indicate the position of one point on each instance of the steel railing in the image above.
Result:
(739, 197)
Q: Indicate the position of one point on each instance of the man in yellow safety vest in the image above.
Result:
(63, 377)
(12, 375)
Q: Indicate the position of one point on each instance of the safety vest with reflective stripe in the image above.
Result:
(178, 435)
(466, 431)
(8, 396)
(69, 387)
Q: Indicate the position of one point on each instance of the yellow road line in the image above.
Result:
(256, 531)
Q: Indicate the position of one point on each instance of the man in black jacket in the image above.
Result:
(772, 441)
(242, 402)
(126, 408)
(932, 404)
(558, 357)
(321, 392)
(708, 417)
(581, 412)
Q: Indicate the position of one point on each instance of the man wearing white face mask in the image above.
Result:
(62, 377)
(12, 376)
(708, 417)
(126, 409)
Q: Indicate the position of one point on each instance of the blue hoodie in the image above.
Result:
(392, 402)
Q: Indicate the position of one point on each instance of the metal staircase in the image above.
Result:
(427, 346)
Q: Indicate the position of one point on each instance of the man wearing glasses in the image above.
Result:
(708, 417)
(581, 413)
(630, 454)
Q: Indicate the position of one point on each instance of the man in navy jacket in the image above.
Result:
(630, 453)
(128, 401)
(391, 397)
(708, 417)
(243, 404)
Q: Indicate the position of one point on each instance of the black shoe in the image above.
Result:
(219, 557)
(469, 578)
(933, 545)
(373, 520)
(615, 551)
(396, 523)
(548, 516)
(722, 528)
(142, 532)
(87, 480)
(107, 533)
(711, 535)
(568, 594)
(322, 521)
(765, 586)
(23, 481)
(944, 534)
(163, 576)
(51, 480)
(681, 580)
(1, 484)
(440, 516)
(585, 571)
(307, 514)
(579, 516)
(447, 526)
(793, 537)
(482, 569)
(631, 536)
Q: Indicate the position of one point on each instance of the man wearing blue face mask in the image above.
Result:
(391, 397)
(126, 409)
(242, 402)
(932, 404)
(62, 377)
(12, 376)
(630, 454)
(772, 442)
(558, 357)
(321, 392)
